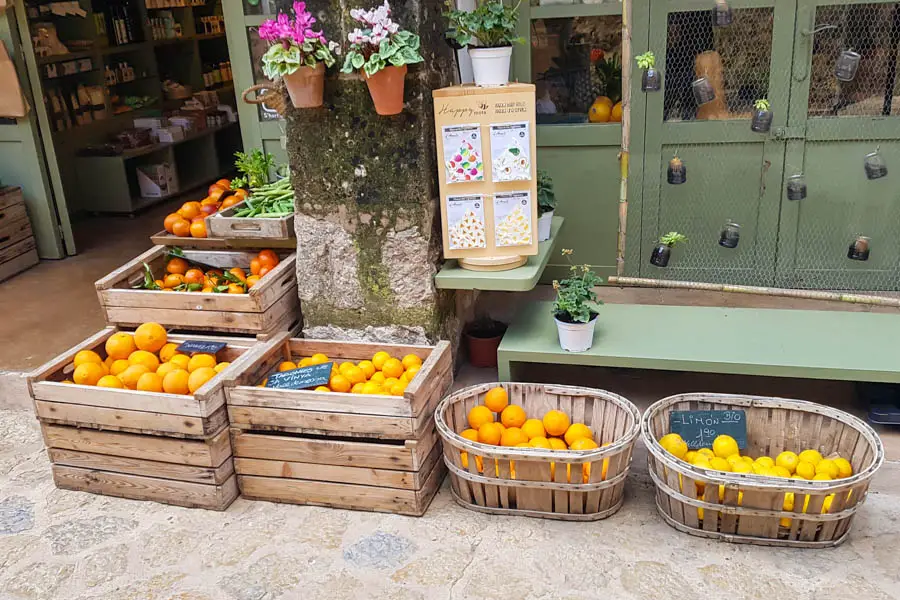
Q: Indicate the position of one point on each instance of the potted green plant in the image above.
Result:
(380, 51)
(762, 116)
(663, 251)
(650, 79)
(298, 55)
(546, 204)
(575, 309)
(489, 31)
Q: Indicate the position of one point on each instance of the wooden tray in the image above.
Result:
(272, 305)
(18, 257)
(225, 225)
(164, 238)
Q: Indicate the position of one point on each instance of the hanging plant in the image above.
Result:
(730, 235)
(875, 166)
(762, 116)
(663, 251)
(796, 187)
(676, 173)
(651, 81)
(703, 91)
(859, 248)
(722, 15)
(847, 65)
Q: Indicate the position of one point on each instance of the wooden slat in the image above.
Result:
(131, 420)
(332, 402)
(226, 226)
(147, 468)
(15, 232)
(23, 261)
(313, 422)
(11, 195)
(159, 402)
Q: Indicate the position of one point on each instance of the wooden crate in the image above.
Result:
(164, 238)
(271, 305)
(226, 226)
(189, 473)
(752, 508)
(18, 250)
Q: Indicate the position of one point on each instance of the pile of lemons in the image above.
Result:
(384, 375)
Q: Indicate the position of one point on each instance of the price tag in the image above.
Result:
(698, 428)
(302, 378)
(189, 347)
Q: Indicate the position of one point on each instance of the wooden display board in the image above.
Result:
(485, 223)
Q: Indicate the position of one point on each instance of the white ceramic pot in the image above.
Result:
(544, 223)
(491, 65)
(575, 337)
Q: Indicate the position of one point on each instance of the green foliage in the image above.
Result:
(254, 167)
(546, 195)
(492, 24)
(609, 71)
(402, 48)
(279, 61)
(647, 60)
(672, 238)
(762, 104)
(576, 301)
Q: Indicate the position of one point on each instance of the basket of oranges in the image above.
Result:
(799, 482)
(551, 451)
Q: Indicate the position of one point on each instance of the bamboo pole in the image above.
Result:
(626, 130)
(755, 290)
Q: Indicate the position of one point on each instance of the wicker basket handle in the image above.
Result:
(255, 88)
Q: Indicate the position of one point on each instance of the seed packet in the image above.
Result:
(463, 159)
(510, 152)
(512, 219)
(465, 222)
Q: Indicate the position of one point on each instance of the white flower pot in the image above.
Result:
(544, 223)
(575, 337)
(491, 65)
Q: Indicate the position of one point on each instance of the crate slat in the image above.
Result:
(225, 225)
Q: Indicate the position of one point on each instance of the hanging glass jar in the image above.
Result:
(703, 91)
(722, 15)
(876, 168)
(796, 187)
(846, 65)
(731, 235)
(660, 256)
(651, 80)
(859, 249)
(762, 116)
(676, 173)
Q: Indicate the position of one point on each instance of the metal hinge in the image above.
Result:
(789, 133)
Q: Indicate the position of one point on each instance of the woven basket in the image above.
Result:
(748, 508)
(270, 94)
(533, 482)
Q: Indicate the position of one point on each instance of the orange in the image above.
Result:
(236, 288)
(470, 434)
(170, 221)
(200, 361)
(173, 280)
(583, 444)
(557, 444)
(255, 266)
(540, 442)
(182, 228)
(410, 374)
(304, 362)
(556, 422)
(132, 374)
(108, 362)
(150, 337)
(268, 258)
(286, 366)
(390, 382)
(339, 383)
(322, 388)
(200, 377)
(120, 345)
(533, 428)
(355, 375)
(615, 116)
(168, 351)
(513, 436)
(231, 201)
(318, 359)
(372, 388)
(576, 431)
(194, 276)
(176, 265)
(166, 368)
(110, 381)
(411, 360)
(357, 388)
(215, 195)
(150, 382)
(181, 361)
(222, 366)
(379, 359)
(239, 273)
(210, 201)
(496, 399)
(392, 368)
(489, 433)
(142, 357)
(86, 356)
(252, 280)
(264, 271)
(513, 416)
(189, 210)
(118, 366)
(88, 373)
(176, 382)
(343, 366)
(398, 389)
(599, 112)
(367, 367)
(478, 416)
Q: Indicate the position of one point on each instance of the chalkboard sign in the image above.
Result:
(189, 347)
(302, 378)
(700, 427)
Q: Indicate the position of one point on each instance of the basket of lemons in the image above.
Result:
(551, 451)
(804, 472)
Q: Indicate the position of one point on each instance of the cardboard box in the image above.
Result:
(172, 133)
(157, 181)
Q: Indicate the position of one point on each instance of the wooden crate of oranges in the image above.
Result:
(551, 451)
(126, 414)
(204, 290)
(366, 441)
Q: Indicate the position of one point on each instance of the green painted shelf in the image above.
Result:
(522, 279)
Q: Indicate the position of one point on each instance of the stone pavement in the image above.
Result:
(76, 546)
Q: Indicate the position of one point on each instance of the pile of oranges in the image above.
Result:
(182, 277)
(144, 361)
(383, 375)
(190, 219)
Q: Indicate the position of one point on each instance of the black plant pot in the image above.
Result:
(730, 236)
(660, 256)
(676, 173)
(762, 121)
(721, 14)
(703, 91)
(651, 80)
(859, 249)
(846, 66)
(875, 166)
(796, 187)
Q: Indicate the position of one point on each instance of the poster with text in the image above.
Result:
(510, 152)
(463, 159)
(512, 219)
(465, 222)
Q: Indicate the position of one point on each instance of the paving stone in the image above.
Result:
(16, 515)
(268, 578)
(103, 565)
(380, 551)
(70, 537)
(38, 580)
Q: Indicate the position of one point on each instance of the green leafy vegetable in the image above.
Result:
(492, 24)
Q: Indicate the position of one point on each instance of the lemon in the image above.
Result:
(689, 456)
(318, 359)
(372, 388)
(673, 444)
(344, 366)
(779, 471)
(788, 460)
(719, 464)
(747, 459)
(761, 469)
(822, 477)
(741, 467)
(765, 461)
(701, 461)
(811, 456)
(826, 504)
(357, 388)
(845, 469)
(367, 367)
(827, 466)
(806, 470)
(706, 452)
(379, 359)
(378, 377)
(734, 458)
(724, 446)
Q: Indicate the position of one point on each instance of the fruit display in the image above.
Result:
(604, 111)
(269, 201)
(182, 275)
(190, 219)
(383, 375)
(144, 361)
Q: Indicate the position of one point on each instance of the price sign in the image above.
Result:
(302, 378)
(190, 347)
(698, 428)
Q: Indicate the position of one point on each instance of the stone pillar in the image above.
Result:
(367, 223)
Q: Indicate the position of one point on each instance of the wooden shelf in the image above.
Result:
(129, 154)
(46, 60)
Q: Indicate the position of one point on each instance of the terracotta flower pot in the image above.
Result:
(306, 86)
(482, 342)
(386, 88)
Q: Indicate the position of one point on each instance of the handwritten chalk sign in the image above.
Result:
(302, 378)
(192, 346)
(700, 427)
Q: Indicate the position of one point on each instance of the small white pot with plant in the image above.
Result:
(546, 204)
(489, 31)
(576, 307)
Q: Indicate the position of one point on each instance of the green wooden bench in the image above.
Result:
(852, 346)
